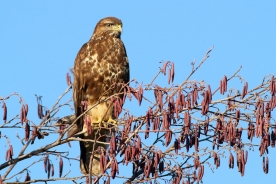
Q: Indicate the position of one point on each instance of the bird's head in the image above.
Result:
(109, 26)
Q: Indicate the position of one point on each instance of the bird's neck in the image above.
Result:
(106, 35)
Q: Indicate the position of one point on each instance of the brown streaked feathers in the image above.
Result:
(100, 63)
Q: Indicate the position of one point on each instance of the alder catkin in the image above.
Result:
(161, 167)
(238, 115)
(272, 85)
(140, 95)
(60, 166)
(45, 163)
(165, 67)
(68, 79)
(221, 87)
(102, 161)
(209, 94)
(5, 109)
(168, 136)
(49, 169)
(11, 151)
(27, 178)
(225, 83)
(26, 109)
(176, 146)
(27, 131)
(172, 72)
(7, 155)
(266, 164)
(169, 76)
(187, 144)
(196, 143)
(39, 111)
(22, 114)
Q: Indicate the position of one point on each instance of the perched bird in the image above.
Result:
(101, 67)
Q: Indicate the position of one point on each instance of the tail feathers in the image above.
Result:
(85, 157)
(86, 147)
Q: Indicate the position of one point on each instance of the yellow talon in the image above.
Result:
(105, 124)
(112, 121)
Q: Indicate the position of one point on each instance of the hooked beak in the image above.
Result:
(119, 28)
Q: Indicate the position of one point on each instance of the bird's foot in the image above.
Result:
(102, 123)
(112, 121)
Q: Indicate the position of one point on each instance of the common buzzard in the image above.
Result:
(100, 66)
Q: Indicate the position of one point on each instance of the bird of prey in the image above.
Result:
(100, 66)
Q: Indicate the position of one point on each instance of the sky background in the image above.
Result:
(39, 42)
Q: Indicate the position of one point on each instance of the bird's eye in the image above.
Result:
(108, 25)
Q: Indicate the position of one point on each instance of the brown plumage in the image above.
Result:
(100, 63)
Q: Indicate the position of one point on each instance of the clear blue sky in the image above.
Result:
(39, 42)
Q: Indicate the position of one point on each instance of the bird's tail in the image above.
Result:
(86, 148)
(87, 154)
